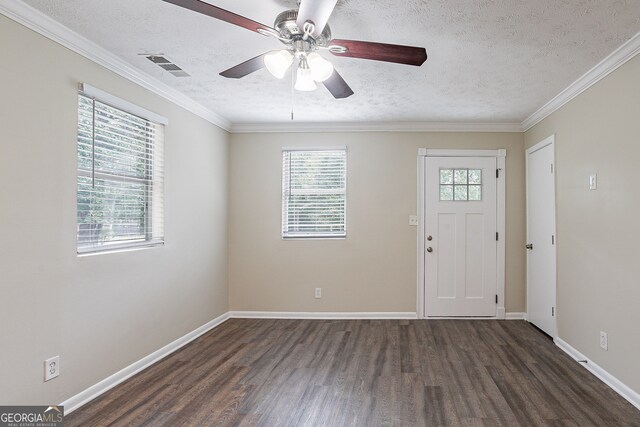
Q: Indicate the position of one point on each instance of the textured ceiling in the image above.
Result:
(489, 60)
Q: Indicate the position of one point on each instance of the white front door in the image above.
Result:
(460, 236)
(541, 225)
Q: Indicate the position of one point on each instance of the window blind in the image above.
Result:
(314, 193)
(120, 178)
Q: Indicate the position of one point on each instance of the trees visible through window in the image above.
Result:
(314, 193)
(120, 178)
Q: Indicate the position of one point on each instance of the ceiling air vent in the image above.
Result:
(167, 65)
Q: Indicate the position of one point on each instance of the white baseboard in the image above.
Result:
(103, 386)
(320, 315)
(462, 318)
(352, 315)
(617, 385)
(516, 316)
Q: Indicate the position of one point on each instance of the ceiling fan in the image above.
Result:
(304, 31)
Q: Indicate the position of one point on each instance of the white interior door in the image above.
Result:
(460, 236)
(541, 226)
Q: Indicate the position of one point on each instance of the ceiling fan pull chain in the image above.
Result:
(292, 93)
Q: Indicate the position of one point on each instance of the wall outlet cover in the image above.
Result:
(318, 293)
(604, 341)
(51, 368)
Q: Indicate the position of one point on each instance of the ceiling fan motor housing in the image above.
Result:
(286, 25)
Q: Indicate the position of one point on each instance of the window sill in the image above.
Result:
(116, 250)
(292, 238)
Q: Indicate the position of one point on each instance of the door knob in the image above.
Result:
(429, 238)
(429, 249)
(529, 246)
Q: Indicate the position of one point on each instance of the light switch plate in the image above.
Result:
(593, 181)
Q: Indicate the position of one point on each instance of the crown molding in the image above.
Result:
(605, 67)
(53, 30)
(324, 127)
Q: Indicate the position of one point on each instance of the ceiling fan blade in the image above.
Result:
(337, 86)
(222, 14)
(246, 68)
(408, 55)
(316, 11)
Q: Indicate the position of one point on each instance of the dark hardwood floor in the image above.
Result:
(250, 372)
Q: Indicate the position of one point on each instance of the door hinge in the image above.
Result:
(553, 240)
(553, 311)
(496, 298)
(551, 167)
(497, 173)
(497, 235)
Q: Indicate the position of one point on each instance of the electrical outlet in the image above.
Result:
(51, 368)
(604, 341)
(318, 292)
(413, 219)
(593, 182)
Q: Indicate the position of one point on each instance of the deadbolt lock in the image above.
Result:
(429, 249)
(529, 246)
(429, 238)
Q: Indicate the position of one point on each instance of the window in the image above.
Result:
(314, 186)
(460, 185)
(120, 175)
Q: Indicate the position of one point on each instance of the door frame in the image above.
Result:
(550, 140)
(500, 156)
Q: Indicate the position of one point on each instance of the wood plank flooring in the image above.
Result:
(256, 372)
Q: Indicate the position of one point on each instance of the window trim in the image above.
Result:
(316, 148)
(121, 104)
(311, 236)
(105, 98)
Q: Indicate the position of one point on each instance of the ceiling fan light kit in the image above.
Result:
(278, 62)
(311, 66)
(321, 69)
(303, 31)
(304, 78)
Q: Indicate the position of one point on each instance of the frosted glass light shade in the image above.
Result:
(278, 62)
(321, 69)
(304, 80)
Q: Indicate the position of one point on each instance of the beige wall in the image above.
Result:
(374, 269)
(598, 231)
(103, 312)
